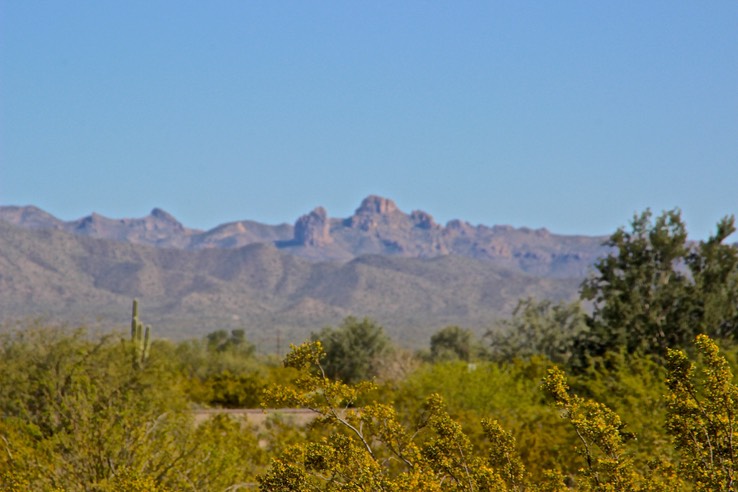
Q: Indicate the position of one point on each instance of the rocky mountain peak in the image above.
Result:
(160, 220)
(374, 204)
(164, 216)
(373, 211)
(378, 227)
(89, 224)
(313, 229)
(423, 220)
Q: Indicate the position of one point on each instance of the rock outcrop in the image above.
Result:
(373, 212)
(374, 204)
(159, 219)
(313, 229)
(423, 220)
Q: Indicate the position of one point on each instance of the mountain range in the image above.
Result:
(280, 282)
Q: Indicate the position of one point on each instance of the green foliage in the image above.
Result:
(354, 350)
(600, 431)
(130, 481)
(602, 443)
(375, 441)
(453, 342)
(702, 416)
(76, 416)
(714, 268)
(234, 390)
(370, 449)
(235, 342)
(539, 328)
(508, 391)
(633, 387)
(503, 455)
(655, 291)
(221, 370)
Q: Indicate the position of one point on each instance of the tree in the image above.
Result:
(656, 290)
(354, 349)
(539, 328)
(235, 342)
(714, 269)
(453, 342)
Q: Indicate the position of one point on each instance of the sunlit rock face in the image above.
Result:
(313, 229)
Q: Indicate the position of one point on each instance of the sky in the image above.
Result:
(570, 115)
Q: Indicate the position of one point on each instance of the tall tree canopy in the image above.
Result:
(657, 290)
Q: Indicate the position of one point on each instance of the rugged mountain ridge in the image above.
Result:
(280, 282)
(71, 278)
(377, 226)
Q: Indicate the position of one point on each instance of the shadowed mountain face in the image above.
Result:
(409, 273)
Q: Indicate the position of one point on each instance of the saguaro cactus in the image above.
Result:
(140, 339)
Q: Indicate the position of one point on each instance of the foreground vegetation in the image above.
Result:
(633, 394)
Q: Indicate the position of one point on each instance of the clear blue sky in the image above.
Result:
(568, 115)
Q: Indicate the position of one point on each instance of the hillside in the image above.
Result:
(281, 282)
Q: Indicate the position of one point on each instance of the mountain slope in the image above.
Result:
(75, 278)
